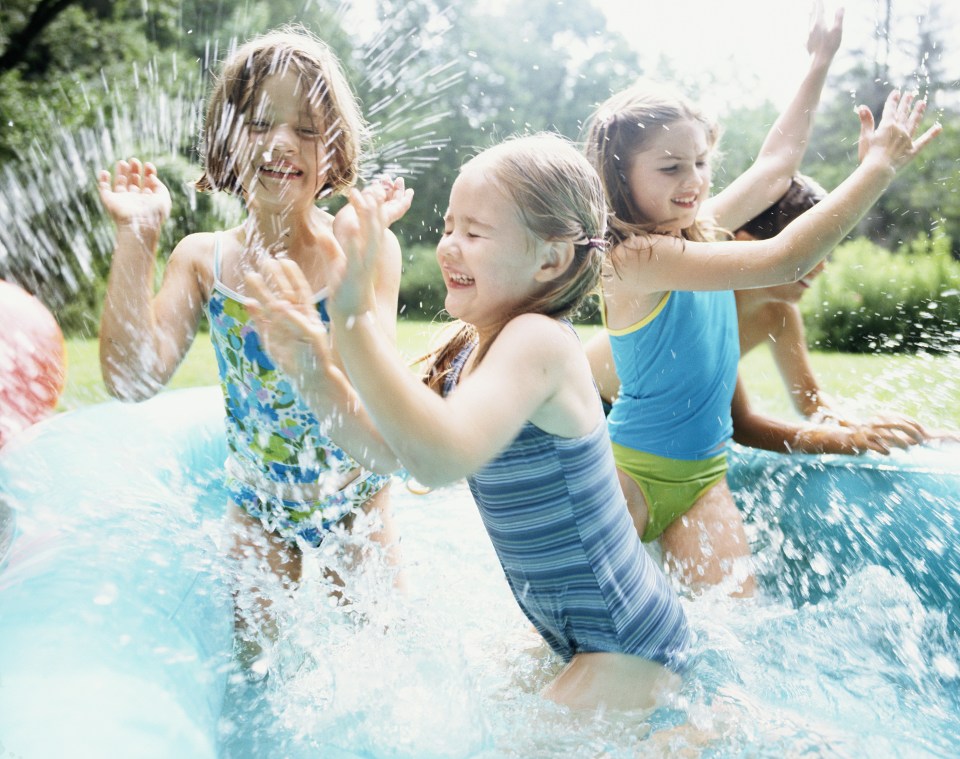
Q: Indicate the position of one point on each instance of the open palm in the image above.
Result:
(134, 194)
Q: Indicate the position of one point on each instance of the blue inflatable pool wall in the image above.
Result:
(837, 514)
(115, 630)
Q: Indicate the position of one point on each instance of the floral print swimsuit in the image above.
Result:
(280, 466)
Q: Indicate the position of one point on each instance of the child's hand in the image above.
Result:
(354, 293)
(397, 200)
(892, 142)
(883, 435)
(286, 318)
(136, 197)
(823, 42)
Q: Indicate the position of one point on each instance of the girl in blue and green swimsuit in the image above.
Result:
(510, 405)
(282, 130)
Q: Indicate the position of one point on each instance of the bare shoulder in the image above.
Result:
(539, 340)
(196, 248)
(193, 257)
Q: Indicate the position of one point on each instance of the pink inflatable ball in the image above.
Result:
(33, 360)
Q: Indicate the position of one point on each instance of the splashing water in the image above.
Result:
(451, 669)
(55, 237)
(120, 514)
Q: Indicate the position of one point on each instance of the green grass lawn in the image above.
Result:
(925, 387)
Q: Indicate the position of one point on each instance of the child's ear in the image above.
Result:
(555, 259)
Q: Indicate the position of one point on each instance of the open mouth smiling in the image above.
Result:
(280, 171)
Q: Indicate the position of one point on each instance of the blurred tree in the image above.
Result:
(907, 51)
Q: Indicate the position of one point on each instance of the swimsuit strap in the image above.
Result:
(217, 256)
(456, 366)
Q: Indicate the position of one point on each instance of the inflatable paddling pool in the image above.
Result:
(115, 634)
(114, 618)
(832, 515)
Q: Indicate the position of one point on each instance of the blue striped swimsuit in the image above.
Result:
(560, 526)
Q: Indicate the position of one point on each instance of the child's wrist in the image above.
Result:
(820, 62)
(880, 164)
(354, 318)
(145, 232)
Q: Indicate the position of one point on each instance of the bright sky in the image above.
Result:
(759, 46)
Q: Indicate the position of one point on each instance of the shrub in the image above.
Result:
(421, 286)
(872, 300)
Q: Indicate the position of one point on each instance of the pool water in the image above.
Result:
(450, 668)
(115, 592)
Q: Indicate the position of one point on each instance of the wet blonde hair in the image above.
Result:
(235, 95)
(559, 198)
(618, 130)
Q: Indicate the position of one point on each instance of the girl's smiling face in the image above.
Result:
(283, 159)
(670, 177)
(487, 255)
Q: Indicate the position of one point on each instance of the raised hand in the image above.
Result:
(823, 41)
(396, 200)
(893, 141)
(135, 196)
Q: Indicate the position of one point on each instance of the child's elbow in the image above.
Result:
(129, 390)
(433, 474)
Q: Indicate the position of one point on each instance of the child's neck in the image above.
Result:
(273, 233)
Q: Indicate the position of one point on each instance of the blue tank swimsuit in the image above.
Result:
(278, 458)
(678, 371)
(561, 530)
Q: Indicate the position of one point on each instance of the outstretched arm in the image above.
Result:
(780, 156)
(757, 430)
(668, 263)
(144, 336)
(440, 439)
(346, 226)
(790, 354)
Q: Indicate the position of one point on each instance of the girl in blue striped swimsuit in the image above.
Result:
(509, 404)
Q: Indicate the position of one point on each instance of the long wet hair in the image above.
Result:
(236, 95)
(559, 198)
(619, 129)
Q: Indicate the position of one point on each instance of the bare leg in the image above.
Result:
(612, 681)
(386, 536)
(265, 558)
(379, 509)
(708, 545)
(636, 503)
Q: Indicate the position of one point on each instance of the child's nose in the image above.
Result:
(692, 178)
(446, 248)
(283, 137)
